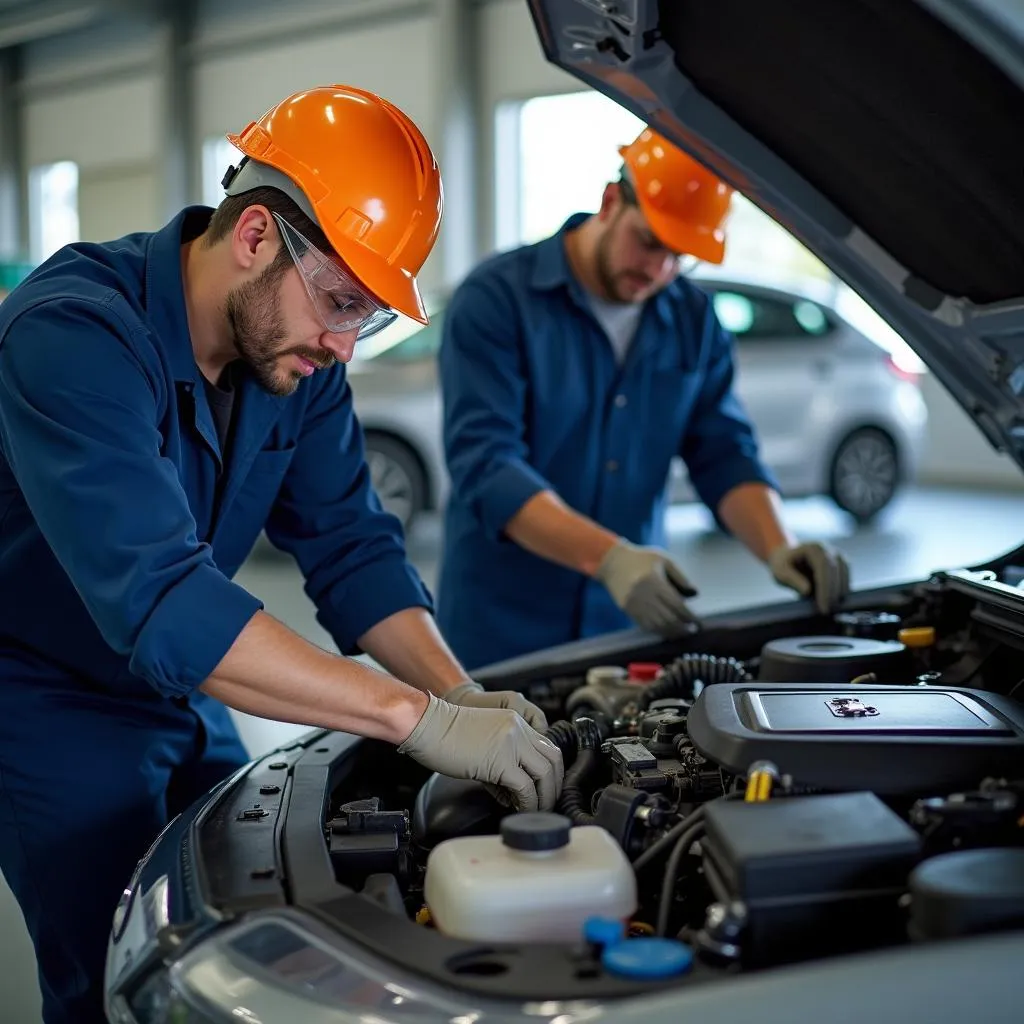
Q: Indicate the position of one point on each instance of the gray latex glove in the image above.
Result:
(492, 745)
(649, 587)
(473, 695)
(812, 569)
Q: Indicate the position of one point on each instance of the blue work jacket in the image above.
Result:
(116, 553)
(535, 399)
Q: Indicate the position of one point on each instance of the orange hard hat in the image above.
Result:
(684, 204)
(362, 170)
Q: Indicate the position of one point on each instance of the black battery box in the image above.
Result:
(908, 741)
(817, 875)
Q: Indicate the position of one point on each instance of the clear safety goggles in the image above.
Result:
(343, 304)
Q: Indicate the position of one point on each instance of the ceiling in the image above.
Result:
(25, 21)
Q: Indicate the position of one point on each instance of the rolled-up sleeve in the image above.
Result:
(484, 387)
(79, 420)
(327, 515)
(720, 446)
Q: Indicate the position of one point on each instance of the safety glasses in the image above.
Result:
(343, 305)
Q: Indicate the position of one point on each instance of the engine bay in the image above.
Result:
(806, 796)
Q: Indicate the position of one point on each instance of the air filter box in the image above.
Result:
(833, 659)
(908, 741)
(818, 875)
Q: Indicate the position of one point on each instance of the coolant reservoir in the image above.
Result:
(538, 881)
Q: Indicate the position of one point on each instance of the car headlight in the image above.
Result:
(277, 966)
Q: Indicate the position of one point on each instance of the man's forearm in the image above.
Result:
(410, 646)
(753, 513)
(274, 673)
(547, 527)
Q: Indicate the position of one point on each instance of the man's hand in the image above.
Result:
(491, 745)
(473, 695)
(812, 569)
(649, 587)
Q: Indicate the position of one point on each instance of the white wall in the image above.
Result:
(83, 127)
(95, 100)
(118, 199)
(513, 62)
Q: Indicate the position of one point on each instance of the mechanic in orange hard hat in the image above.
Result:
(163, 399)
(573, 371)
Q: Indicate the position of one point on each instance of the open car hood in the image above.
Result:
(886, 135)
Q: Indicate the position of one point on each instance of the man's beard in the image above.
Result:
(608, 278)
(253, 312)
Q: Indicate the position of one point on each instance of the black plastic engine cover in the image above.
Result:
(892, 740)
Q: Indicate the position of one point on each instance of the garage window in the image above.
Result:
(554, 156)
(53, 208)
(218, 156)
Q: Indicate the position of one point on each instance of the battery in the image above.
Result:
(818, 875)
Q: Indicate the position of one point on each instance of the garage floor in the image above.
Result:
(926, 529)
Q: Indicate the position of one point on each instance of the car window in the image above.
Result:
(752, 317)
(406, 342)
(421, 345)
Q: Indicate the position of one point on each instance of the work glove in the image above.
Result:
(812, 569)
(473, 695)
(649, 587)
(492, 745)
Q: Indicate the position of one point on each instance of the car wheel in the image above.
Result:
(865, 473)
(397, 476)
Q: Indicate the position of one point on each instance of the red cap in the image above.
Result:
(643, 671)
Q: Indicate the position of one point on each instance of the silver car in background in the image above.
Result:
(836, 413)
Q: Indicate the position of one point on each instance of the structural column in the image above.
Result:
(179, 171)
(14, 242)
(456, 58)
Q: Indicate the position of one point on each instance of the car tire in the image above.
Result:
(398, 477)
(865, 473)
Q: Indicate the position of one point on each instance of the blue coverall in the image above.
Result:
(534, 399)
(116, 559)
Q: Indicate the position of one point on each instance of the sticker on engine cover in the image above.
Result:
(850, 707)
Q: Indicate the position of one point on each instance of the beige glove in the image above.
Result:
(649, 587)
(473, 695)
(812, 569)
(491, 745)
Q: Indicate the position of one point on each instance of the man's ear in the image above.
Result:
(611, 200)
(253, 231)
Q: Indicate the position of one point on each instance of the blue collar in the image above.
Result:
(551, 265)
(165, 290)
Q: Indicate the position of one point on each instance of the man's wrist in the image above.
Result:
(597, 551)
(404, 714)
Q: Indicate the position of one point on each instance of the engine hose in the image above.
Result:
(678, 678)
(573, 802)
(563, 735)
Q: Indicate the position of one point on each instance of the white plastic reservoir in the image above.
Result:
(538, 881)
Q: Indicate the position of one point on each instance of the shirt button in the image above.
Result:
(620, 401)
(611, 465)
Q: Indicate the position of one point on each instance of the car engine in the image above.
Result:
(833, 792)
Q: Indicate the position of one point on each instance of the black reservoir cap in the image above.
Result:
(535, 831)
